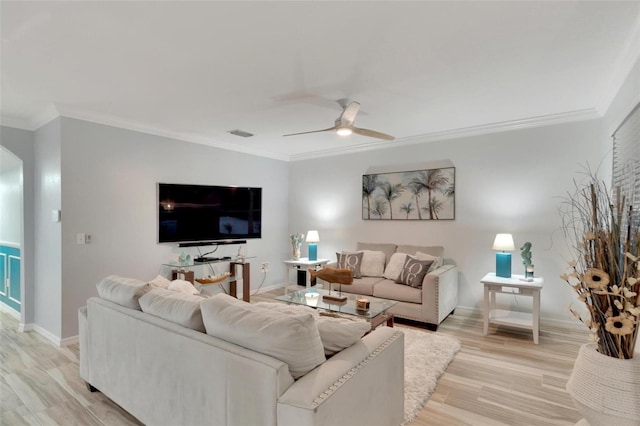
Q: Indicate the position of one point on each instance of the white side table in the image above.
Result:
(305, 263)
(514, 285)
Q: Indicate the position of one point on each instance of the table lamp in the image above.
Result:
(312, 239)
(503, 243)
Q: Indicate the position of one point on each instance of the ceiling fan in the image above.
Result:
(344, 125)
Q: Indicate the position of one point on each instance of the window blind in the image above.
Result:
(626, 165)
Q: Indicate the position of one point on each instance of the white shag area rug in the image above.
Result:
(426, 357)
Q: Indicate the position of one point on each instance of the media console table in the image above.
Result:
(187, 273)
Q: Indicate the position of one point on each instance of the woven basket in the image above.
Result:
(605, 390)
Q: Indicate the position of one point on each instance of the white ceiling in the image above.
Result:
(195, 70)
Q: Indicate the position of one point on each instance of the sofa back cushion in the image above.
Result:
(122, 291)
(387, 249)
(293, 339)
(179, 308)
(336, 333)
(437, 251)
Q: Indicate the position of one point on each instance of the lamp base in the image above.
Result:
(313, 251)
(503, 265)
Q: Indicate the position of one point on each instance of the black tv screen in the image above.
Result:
(202, 213)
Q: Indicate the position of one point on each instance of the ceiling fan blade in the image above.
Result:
(313, 131)
(349, 113)
(372, 134)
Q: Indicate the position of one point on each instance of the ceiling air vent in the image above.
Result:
(241, 133)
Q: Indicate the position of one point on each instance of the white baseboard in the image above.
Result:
(9, 310)
(69, 340)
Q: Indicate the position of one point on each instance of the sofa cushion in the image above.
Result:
(352, 261)
(388, 289)
(362, 285)
(387, 249)
(293, 339)
(395, 265)
(372, 263)
(182, 286)
(336, 333)
(160, 282)
(437, 251)
(122, 291)
(179, 308)
(413, 272)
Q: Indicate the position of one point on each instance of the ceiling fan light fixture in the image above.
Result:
(344, 131)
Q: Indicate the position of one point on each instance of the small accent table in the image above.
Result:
(305, 263)
(517, 286)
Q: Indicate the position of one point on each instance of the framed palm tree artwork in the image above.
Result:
(413, 195)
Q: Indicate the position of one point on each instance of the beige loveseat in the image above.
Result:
(177, 359)
(430, 303)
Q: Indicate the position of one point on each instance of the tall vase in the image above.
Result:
(605, 390)
(296, 250)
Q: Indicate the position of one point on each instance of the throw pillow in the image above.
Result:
(372, 263)
(340, 333)
(336, 333)
(182, 286)
(392, 271)
(293, 339)
(351, 261)
(437, 261)
(180, 308)
(122, 291)
(159, 282)
(413, 272)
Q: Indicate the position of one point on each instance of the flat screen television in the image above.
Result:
(206, 214)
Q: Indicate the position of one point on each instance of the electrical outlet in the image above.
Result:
(264, 267)
(80, 238)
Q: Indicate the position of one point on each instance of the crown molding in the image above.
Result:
(138, 127)
(53, 112)
(504, 126)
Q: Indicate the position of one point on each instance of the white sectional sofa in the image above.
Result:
(429, 302)
(175, 359)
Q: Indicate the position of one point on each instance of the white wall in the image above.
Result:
(21, 144)
(505, 182)
(48, 277)
(109, 178)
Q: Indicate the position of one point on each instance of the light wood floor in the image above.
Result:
(500, 379)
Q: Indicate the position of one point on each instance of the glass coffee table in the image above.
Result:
(376, 315)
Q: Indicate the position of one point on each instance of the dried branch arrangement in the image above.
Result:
(606, 237)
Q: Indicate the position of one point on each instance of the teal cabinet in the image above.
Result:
(10, 293)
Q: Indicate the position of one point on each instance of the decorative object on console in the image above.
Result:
(296, 243)
(240, 254)
(333, 276)
(526, 260)
(184, 259)
(313, 238)
(396, 196)
(503, 243)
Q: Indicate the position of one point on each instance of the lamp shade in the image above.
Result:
(503, 242)
(314, 237)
